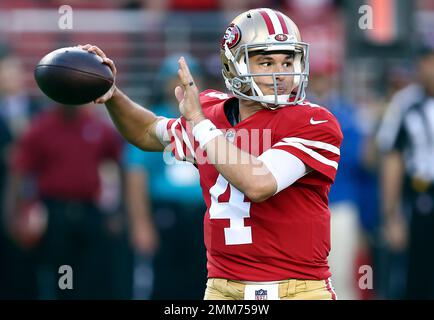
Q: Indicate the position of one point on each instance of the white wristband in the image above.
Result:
(161, 131)
(205, 131)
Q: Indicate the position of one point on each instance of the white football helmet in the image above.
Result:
(263, 30)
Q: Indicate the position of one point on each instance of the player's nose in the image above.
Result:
(280, 70)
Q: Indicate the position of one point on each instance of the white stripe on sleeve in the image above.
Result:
(313, 143)
(178, 144)
(310, 152)
(187, 141)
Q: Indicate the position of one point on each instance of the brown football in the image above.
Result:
(73, 76)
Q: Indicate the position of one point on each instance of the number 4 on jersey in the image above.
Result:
(235, 210)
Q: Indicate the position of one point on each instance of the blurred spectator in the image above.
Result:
(17, 107)
(406, 137)
(389, 266)
(344, 195)
(170, 195)
(63, 150)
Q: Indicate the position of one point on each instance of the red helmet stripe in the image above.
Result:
(268, 21)
(282, 22)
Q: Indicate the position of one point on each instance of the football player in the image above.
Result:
(266, 158)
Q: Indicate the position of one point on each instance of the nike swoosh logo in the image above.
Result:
(317, 121)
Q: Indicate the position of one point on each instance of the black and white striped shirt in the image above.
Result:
(408, 127)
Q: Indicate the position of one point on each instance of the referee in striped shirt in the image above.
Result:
(406, 138)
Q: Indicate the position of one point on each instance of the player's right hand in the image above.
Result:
(91, 48)
(144, 238)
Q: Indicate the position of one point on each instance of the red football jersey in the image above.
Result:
(287, 235)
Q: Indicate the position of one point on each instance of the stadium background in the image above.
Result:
(362, 67)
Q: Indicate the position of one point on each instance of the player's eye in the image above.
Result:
(265, 64)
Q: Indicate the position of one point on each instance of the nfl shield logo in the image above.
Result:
(230, 135)
(261, 294)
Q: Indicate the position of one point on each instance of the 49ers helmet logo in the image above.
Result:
(231, 37)
(281, 37)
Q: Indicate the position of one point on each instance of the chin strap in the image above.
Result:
(258, 91)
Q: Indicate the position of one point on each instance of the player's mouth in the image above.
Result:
(281, 89)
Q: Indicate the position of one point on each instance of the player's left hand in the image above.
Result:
(109, 94)
(188, 94)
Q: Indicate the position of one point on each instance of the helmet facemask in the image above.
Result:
(244, 86)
